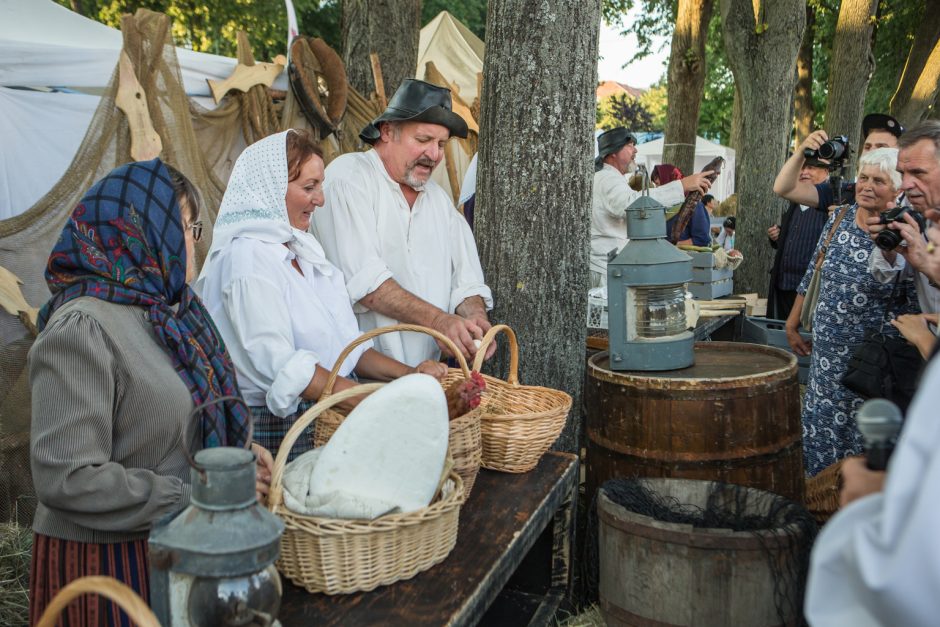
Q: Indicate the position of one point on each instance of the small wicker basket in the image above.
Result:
(465, 442)
(822, 492)
(118, 593)
(339, 556)
(519, 422)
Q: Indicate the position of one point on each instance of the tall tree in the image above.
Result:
(920, 79)
(387, 27)
(686, 80)
(762, 38)
(803, 109)
(853, 63)
(534, 183)
(624, 110)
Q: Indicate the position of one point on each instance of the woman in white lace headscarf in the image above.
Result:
(281, 307)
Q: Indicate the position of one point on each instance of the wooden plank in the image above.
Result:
(504, 516)
(379, 81)
(131, 99)
(244, 77)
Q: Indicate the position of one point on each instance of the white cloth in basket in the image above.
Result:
(386, 457)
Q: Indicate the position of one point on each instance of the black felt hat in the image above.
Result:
(881, 122)
(418, 101)
(613, 140)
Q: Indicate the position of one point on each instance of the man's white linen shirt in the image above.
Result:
(612, 195)
(278, 325)
(928, 296)
(368, 230)
(877, 562)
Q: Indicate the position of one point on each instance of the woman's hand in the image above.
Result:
(264, 468)
(915, 330)
(436, 369)
(858, 480)
(800, 346)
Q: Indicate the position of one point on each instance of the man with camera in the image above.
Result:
(878, 129)
(794, 239)
(900, 234)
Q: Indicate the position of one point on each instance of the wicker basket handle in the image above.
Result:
(276, 491)
(365, 337)
(111, 589)
(513, 378)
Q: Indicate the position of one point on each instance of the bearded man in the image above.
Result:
(407, 255)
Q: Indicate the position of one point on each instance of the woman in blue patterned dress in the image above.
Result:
(850, 302)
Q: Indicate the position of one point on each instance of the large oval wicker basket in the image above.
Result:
(465, 442)
(519, 422)
(339, 556)
(118, 593)
(822, 492)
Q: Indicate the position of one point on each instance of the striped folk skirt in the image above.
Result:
(269, 430)
(56, 563)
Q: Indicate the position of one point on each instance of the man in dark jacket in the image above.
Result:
(795, 239)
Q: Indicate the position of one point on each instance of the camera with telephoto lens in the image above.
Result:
(835, 151)
(889, 239)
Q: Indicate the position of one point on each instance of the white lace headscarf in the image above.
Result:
(254, 205)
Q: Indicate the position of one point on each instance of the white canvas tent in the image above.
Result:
(43, 44)
(650, 154)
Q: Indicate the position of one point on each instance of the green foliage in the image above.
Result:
(656, 20)
(714, 121)
(654, 101)
(894, 34)
(471, 12)
(623, 110)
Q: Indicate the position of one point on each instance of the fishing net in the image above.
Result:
(784, 529)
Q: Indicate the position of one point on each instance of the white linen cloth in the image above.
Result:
(277, 324)
(877, 562)
(469, 186)
(610, 199)
(371, 234)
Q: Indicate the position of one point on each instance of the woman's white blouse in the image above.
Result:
(278, 324)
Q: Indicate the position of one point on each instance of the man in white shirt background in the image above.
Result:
(612, 195)
(407, 254)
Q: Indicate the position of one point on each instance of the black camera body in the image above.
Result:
(889, 239)
(836, 150)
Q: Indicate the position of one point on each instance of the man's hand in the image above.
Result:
(932, 264)
(774, 232)
(436, 369)
(800, 346)
(813, 141)
(264, 463)
(474, 309)
(697, 182)
(461, 331)
(858, 480)
(915, 330)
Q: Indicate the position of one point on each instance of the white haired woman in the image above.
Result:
(851, 301)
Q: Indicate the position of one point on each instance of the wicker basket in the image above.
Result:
(339, 556)
(112, 589)
(519, 422)
(465, 442)
(822, 492)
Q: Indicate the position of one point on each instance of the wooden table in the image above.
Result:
(507, 515)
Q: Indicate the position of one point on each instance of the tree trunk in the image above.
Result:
(686, 82)
(803, 94)
(387, 27)
(534, 185)
(917, 88)
(851, 66)
(76, 6)
(762, 52)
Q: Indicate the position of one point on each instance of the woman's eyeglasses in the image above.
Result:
(196, 228)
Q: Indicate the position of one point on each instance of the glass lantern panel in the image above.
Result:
(659, 311)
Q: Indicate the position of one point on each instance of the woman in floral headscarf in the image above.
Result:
(125, 353)
(281, 306)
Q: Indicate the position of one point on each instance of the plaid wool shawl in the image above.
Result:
(124, 243)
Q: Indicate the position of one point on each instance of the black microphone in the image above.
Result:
(879, 422)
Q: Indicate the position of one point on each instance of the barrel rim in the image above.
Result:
(684, 534)
(640, 377)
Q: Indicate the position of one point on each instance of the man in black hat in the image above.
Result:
(794, 239)
(879, 130)
(612, 195)
(406, 254)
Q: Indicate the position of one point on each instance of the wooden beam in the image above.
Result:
(131, 99)
(379, 81)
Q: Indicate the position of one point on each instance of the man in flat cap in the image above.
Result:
(407, 254)
(612, 195)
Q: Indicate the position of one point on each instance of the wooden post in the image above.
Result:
(377, 77)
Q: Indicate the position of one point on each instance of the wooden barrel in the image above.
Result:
(654, 573)
(734, 416)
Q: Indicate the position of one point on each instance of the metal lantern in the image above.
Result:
(213, 564)
(646, 296)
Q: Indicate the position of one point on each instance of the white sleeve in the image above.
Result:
(670, 194)
(261, 321)
(466, 272)
(883, 271)
(616, 193)
(347, 230)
